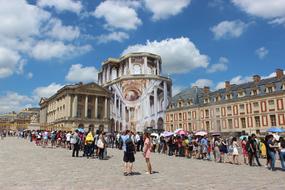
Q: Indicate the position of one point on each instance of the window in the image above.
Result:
(271, 102)
(270, 89)
(218, 98)
(180, 125)
(255, 104)
(219, 125)
(243, 123)
(190, 126)
(171, 117)
(180, 116)
(206, 100)
(218, 110)
(229, 96)
(230, 123)
(180, 104)
(189, 115)
(241, 106)
(273, 120)
(254, 92)
(207, 113)
(241, 94)
(229, 108)
(171, 127)
(190, 102)
(257, 121)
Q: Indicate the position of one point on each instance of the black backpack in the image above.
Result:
(130, 147)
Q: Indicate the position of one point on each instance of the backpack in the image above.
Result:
(130, 147)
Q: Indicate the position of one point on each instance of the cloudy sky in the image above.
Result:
(45, 44)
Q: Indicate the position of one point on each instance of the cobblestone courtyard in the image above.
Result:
(25, 166)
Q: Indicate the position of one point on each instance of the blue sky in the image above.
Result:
(45, 44)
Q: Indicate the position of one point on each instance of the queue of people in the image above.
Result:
(211, 148)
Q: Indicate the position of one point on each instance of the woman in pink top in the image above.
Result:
(146, 152)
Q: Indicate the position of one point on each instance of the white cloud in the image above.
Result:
(222, 65)
(114, 36)
(46, 91)
(20, 19)
(261, 52)
(9, 62)
(78, 73)
(272, 10)
(12, 101)
(163, 9)
(45, 50)
(229, 29)
(178, 55)
(236, 80)
(216, 3)
(118, 15)
(202, 83)
(61, 32)
(62, 5)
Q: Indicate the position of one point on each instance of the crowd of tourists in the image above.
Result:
(203, 147)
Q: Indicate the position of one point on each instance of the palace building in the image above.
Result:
(251, 107)
(79, 105)
(140, 94)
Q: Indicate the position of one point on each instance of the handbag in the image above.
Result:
(100, 144)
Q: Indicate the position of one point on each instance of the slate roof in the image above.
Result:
(197, 94)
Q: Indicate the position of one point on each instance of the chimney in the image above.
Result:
(206, 89)
(227, 84)
(279, 73)
(256, 78)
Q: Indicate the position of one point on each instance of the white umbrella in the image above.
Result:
(201, 133)
(154, 135)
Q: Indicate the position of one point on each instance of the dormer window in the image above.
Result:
(190, 103)
(206, 100)
(218, 98)
(241, 94)
(254, 92)
(270, 89)
(180, 104)
(229, 96)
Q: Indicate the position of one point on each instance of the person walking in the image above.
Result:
(147, 152)
(282, 152)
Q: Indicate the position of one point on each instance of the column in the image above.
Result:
(124, 115)
(96, 107)
(115, 105)
(106, 108)
(129, 114)
(157, 67)
(108, 73)
(165, 100)
(155, 102)
(68, 105)
(74, 106)
(145, 65)
(119, 107)
(86, 106)
(130, 66)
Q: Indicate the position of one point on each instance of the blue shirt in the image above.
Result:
(124, 138)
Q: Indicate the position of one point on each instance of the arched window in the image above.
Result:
(137, 69)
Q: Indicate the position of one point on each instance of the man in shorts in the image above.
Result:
(129, 150)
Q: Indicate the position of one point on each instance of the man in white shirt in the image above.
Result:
(68, 136)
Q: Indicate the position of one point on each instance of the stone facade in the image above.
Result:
(73, 106)
(140, 95)
(252, 107)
